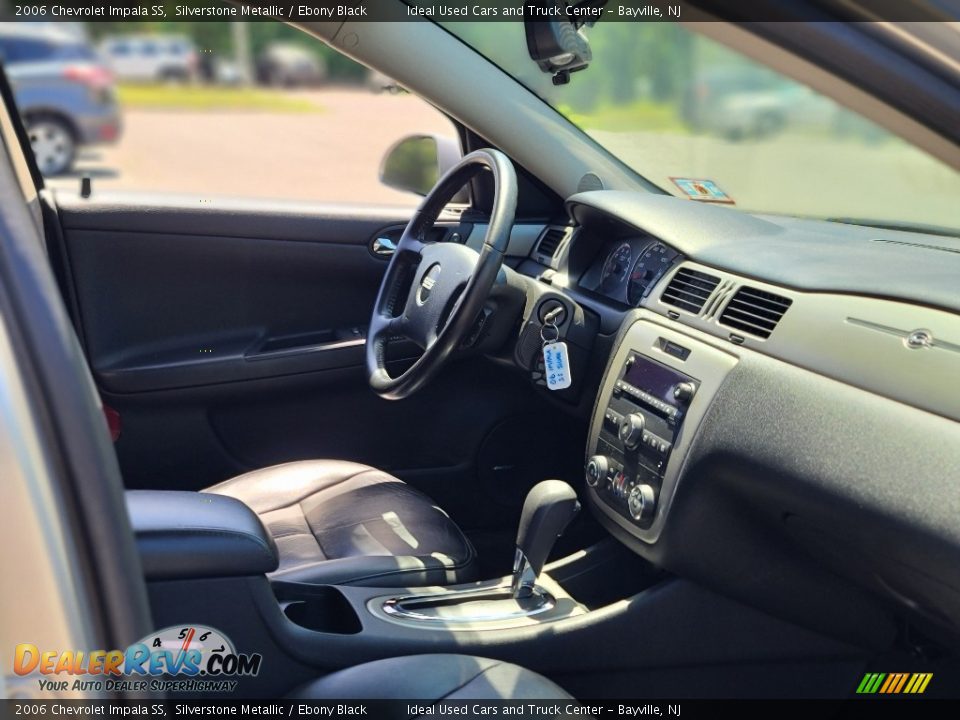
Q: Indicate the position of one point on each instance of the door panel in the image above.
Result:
(224, 335)
(220, 309)
(170, 294)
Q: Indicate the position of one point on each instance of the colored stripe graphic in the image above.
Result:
(894, 683)
(891, 680)
(870, 683)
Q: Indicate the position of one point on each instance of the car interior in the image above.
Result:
(573, 437)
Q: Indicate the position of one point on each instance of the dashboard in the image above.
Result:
(775, 403)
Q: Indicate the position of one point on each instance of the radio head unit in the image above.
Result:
(655, 393)
(640, 423)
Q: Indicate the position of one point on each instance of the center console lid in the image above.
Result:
(184, 535)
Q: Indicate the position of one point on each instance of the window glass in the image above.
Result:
(257, 110)
(680, 108)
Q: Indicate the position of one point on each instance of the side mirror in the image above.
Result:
(416, 162)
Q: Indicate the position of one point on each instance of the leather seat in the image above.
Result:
(432, 678)
(340, 523)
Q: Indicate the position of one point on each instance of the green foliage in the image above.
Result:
(204, 98)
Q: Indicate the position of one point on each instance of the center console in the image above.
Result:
(207, 558)
(654, 395)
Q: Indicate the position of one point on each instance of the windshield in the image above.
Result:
(681, 109)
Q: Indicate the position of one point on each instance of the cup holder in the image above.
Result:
(321, 608)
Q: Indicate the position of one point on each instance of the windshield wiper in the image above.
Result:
(901, 226)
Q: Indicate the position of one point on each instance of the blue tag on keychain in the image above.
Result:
(556, 365)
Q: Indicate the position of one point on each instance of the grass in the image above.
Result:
(206, 97)
(639, 115)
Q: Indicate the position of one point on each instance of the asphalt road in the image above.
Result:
(329, 156)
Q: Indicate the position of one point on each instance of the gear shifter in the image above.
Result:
(548, 509)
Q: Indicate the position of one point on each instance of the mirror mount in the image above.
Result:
(559, 47)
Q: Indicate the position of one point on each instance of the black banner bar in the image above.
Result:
(878, 708)
(480, 10)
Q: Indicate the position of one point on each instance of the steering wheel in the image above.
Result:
(433, 292)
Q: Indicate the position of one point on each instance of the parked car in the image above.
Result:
(751, 103)
(151, 58)
(219, 71)
(289, 65)
(738, 101)
(65, 94)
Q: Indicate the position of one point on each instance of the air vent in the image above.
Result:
(717, 299)
(754, 311)
(689, 290)
(551, 240)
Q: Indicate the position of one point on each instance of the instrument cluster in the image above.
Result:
(626, 270)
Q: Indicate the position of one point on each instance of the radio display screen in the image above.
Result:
(654, 378)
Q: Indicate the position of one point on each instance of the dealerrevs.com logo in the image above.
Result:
(192, 658)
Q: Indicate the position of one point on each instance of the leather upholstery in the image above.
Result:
(433, 678)
(340, 523)
(187, 535)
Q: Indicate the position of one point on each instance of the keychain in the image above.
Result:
(556, 363)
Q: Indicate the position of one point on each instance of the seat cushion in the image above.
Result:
(341, 523)
(432, 678)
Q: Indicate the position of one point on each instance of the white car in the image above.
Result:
(764, 113)
(151, 58)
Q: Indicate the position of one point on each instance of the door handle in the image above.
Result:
(384, 247)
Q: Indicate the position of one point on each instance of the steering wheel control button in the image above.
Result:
(641, 503)
(631, 430)
(598, 467)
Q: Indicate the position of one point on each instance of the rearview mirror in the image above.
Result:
(415, 163)
(559, 47)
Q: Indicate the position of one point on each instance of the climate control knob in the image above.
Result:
(598, 468)
(684, 392)
(631, 430)
(641, 502)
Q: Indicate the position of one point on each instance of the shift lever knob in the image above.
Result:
(548, 509)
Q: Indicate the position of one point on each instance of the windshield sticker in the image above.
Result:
(703, 190)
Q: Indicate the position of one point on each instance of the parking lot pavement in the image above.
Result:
(332, 155)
